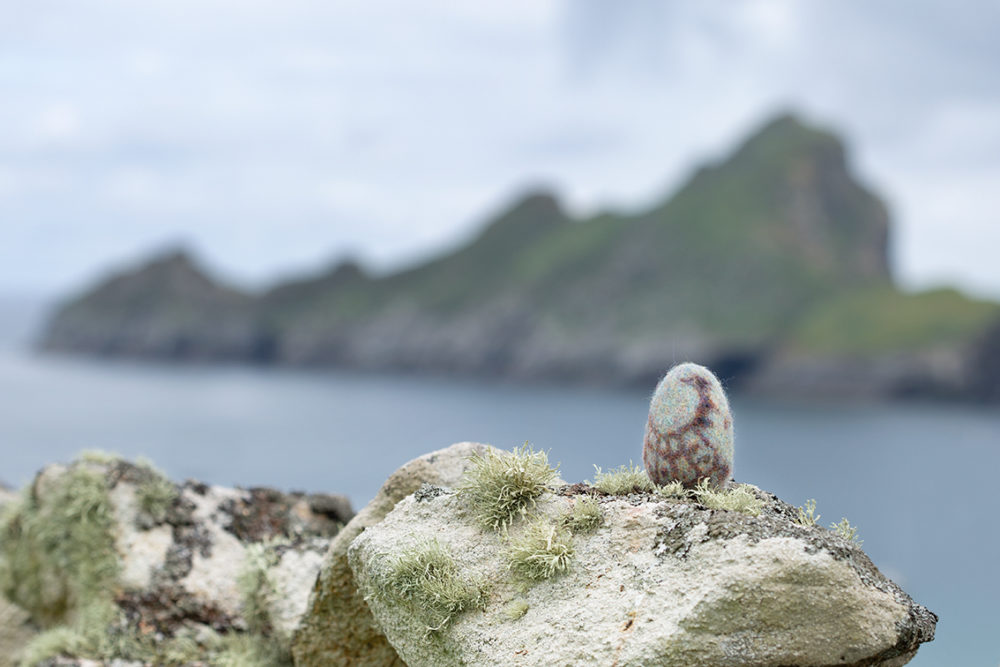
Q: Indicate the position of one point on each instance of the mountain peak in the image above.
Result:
(786, 135)
(533, 208)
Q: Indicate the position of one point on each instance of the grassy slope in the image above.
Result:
(776, 243)
(883, 319)
(716, 260)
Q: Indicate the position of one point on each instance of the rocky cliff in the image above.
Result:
(769, 265)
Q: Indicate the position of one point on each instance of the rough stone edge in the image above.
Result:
(335, 586)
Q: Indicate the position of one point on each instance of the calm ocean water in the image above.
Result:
(919, 481)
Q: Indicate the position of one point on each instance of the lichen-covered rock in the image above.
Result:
(660, 582)
(338, 628)
(689, 433)
(117, 562)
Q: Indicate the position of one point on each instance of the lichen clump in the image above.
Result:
(846, 531)
(57, 549)
(584, 517)
(156, 495)
(515, 609)
(622, 480)
(256, 588)
(427, 579)
(689, 432)
(541, 551)
(736, 498)
(501, 486)
(807, 515)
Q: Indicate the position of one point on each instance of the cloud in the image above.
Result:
(282, 135)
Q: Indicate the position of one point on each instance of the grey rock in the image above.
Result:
(338, 628)
(661, 582)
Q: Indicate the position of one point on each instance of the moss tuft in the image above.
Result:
(59, 641)
(500, 486)
(541, 551)
(426, 577)
(847, 531)
(807, 514)
(257, 591)
(585, 515)
(156, 496)
(87, 636)
(674, 489)
(240, 650)
(98, 456)
(57, 552)
(736, 498)
(623, 480)
(515, 609)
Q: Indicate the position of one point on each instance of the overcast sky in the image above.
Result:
(274, 137)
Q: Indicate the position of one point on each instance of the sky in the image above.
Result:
(276, 138)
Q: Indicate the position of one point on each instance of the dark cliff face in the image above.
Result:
(168, 308)
(728, 271)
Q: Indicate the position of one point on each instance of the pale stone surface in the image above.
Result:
(213, 573)
(292, 579)
(141, 551)
(338, 628)
(661, 582)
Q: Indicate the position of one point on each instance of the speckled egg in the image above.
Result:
(689, 434)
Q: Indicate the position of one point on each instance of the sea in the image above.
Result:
(918, 480)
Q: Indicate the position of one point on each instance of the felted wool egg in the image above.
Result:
(689, 434)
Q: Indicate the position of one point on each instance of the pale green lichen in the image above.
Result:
(57, 552)
(736, 498)
(674, 489)
(257, 591)
(98, 456)
(807, 514)
(845, 530)
(426, 578)
(515, 609)
(585, 515)
(240, 650)
(156, 496)
(87, 635)
(623, 480)
(501, 486)
(542, 550)
(59, 641)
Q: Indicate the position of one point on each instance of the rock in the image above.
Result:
(338, 628)
(689, 433)
(105, 548)
(660, 582)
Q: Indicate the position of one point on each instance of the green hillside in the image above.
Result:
(733, 254)
(770, 264)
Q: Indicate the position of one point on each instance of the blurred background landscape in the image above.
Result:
(297, 246)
